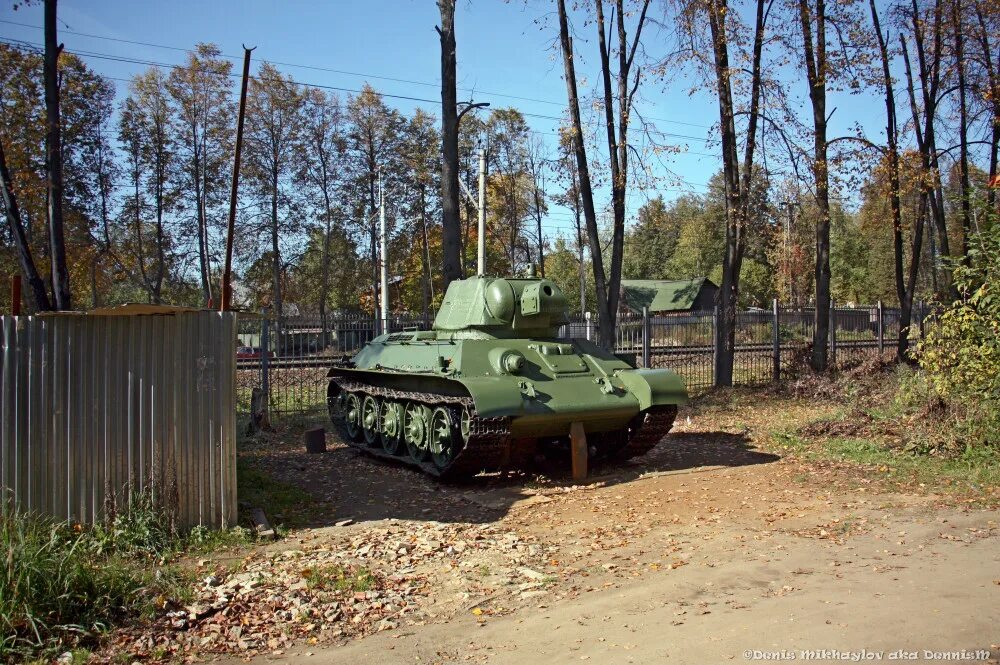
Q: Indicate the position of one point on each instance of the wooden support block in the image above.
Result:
(578, 447)
(315, 439)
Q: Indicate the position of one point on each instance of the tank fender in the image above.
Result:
(493, 396)
(654, 387)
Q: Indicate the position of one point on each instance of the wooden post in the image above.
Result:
(578, 441)
(775, 342)
(15, 295)
(227, 272)
(315, 440)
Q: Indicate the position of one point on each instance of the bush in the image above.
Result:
(61, 585)
(961, 352)
(52, 587)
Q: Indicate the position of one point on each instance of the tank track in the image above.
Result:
(489, 444)
(648, 429)
(486, 449)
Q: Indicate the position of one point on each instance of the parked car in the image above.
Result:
(250, 353)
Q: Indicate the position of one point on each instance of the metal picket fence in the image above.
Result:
(771, 345)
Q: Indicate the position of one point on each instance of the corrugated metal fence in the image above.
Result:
(94, 408)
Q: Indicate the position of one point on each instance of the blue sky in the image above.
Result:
(505, 53)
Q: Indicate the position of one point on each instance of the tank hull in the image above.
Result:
(514, 394)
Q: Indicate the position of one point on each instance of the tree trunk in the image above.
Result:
(324, 291)
(963, 128)
(36, 286)
(579, 245)
(425, 259)
(199, 202)
(892, 153)
(815, 57)
(541, 238)
(993, 82)
(929, 70)
(53, 150)
(451, 228)
(275, 250)
(161, 259)
(606, 321)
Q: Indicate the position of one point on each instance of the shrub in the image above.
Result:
(52, 587)
(961, 352)
(63, 584)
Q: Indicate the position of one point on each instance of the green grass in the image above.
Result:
(64, 585)
(975, 470)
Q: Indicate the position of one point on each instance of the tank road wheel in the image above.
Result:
(465, 424)
(370, 420)
(351, 408)
(443, 440)
(391, 426)
(415, 430)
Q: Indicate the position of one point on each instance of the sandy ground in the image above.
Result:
(708, 550)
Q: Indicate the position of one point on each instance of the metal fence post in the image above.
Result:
(775, 342)
(645, 337)
(586, 320)
(715, 346)
(879, 326)
(265, 361)
(833, 332)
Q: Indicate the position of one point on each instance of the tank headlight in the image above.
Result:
(506, 361)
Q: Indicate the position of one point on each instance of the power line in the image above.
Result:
(335, 71)
(24, 44)
(153, 63)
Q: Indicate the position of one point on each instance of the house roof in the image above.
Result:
(662, 295)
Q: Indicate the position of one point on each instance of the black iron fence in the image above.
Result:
(282, 363)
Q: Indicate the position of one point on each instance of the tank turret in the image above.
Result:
(503, 308)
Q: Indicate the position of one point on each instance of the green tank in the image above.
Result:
(492, 384)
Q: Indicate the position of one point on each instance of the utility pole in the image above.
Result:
(227, 273)
(384, 259)
(481, 248)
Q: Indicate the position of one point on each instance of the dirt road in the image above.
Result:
(712, 549)
(738, 596)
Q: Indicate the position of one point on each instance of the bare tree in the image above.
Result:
(575, 132)
(324, 145)
(273, 132)
(737, 177)
(904, 287)
(536, 168)
(813, 23)
(924, 114)
(201, 92)
(990, 91)
(958, 34)
(621, 86)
